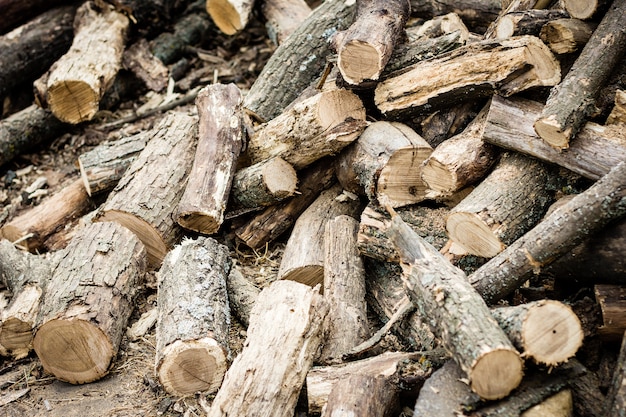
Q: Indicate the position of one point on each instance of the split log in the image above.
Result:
(28, 51)
(561, 231)
(102, 167)
(79, 79)
(275, 220)
(459, 161)
(298, 60)
(612, 301)
(504, 206)
(194, 317)
(528, 22)
(242, 295)
(363, 395)
(230, 16)
(263, 184)
(592, 153)
(571, 102)
(145, 198)
(138, 59)
(303, 258)
(344, 289)
(618, 114)
(546, 331)
(321, 379)
(33, 227)
(507, 66)
(564, 36)
(477, 15)
(384, 164)
(271, 386)
(615, 403)
(365, 47)
(584, 9)
(457, 314)
(89, 299)
(316, 127)
(220, 139)
(283, 17)
(17, 12)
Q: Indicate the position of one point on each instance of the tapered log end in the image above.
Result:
(553, 133)
(473, 234)
(75, 351)
(496, 373)
(359, 61)
(73, 101)
(225, 16)
(192, 366)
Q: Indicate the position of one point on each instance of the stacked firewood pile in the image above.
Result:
(450, 168)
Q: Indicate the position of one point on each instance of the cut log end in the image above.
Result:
(310, 275)
(73, 101)
(470, 232)
(192, 366)
(497, 373)
(551, 131)
(359, 61)
(199, 222)
(225, 16)
(74, 351)
(400, 182)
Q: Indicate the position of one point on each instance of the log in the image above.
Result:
(271, 386)
(457, 314)
(298, 60)
(363, 395)
(365, 47)
(242, 295)
(303, 258)
(220, 139)
(584, 9)
(507, 66)
(528, 22)
(263, 184)
(612, 301)
(344, 289)
(615, 403)
(283, 17)
(592, 153)
(194, 317)
(459, 161)
(147, 195)
(89, 299)
(34, 226)
(275, 220)
(319, 126)
(17, 12)
(504, 206)
(384, 165)
(571, 101)
(547, 331)
(79, 79)
(564, 36)
(230, 16)
(477, 15)
(565, 228)
(618, 114)
(26, 52)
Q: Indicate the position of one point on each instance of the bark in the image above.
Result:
(147, 195)
(571, 101)
(528, 22)
(363, 395)
(478, 15)
(592, 153)
(263, 184)
(220, 140)
(194, 317)
(242, 295)
(611, 299)
(457, 314)
(469, 72)
(561, 231)
(298, 60)
(615, 403)
(564, 36)
(584, 9)
(89, 299)
(230, 16)
(17, 12)
(285, 330)
(283, 17)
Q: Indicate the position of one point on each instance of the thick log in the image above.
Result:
(275, 220)
(472, 71)
(592, 153)
(28, 51)
(316, 127)
(283, 17)
(477, 15)
(17, 12)
(564, 36)
(618, 114)
(263, 184)
(364, 49)
(558, 233)
(298, 60)
(220, 139)
(457, 314)
(571, 101)
(79, 79)
(546, 331)
(33, 227)
(194, 317)
(459, 161)
(584, 9)
(344, 289)
(89, 299)
(271, 386)
(147, 195)
(615, 403)
(363, 395)
(384, 164)
(303, 258)
(528, 22)
(612, 301)
(242, 295)
(504, 206)
(230, 16)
